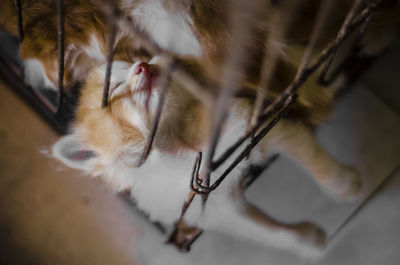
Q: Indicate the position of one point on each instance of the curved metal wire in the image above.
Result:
(112, 32)
(61, 51)
(18, 11)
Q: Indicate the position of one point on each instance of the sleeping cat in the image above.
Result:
(116, 136)
(107, 142)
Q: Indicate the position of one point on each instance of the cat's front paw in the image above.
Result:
(351, 182)
(347, 183)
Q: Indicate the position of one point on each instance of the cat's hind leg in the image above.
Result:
(298, 141)
(234, 215)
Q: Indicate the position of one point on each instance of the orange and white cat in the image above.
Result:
(107, 142)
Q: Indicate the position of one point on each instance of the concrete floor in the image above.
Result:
(50, 214)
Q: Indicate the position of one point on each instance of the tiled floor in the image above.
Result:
(53, 215)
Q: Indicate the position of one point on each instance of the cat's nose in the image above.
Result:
(142, 76)
(142, 68)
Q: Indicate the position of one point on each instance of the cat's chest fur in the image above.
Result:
(162, 184)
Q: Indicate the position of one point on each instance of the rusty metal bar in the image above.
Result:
(320, 22)
(322, 77)
(61, 51)
(231, 80)
(112, 32)
(18, 11)
(164, 81)
(218, 162)
(290, 90)
(188, 201)
(323, 80)
(253, 172)
(195, 175)
(268, 67)
(201, 189)
(179, 74)
(302, 77)
(365, 25)
(281, 24)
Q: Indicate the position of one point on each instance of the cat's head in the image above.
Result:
(116, 135)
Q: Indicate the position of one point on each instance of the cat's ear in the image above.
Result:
(73, 153)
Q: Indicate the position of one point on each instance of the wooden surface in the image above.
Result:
(50, 214)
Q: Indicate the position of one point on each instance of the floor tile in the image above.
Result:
(372, 236)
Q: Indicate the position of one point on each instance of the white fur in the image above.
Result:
(161, 186)
(35, 75)
(169, 31)
(137, 116)
(94, 50)
(119, 72)
(71, 54)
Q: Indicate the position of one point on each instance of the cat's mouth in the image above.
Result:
(141, 84)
